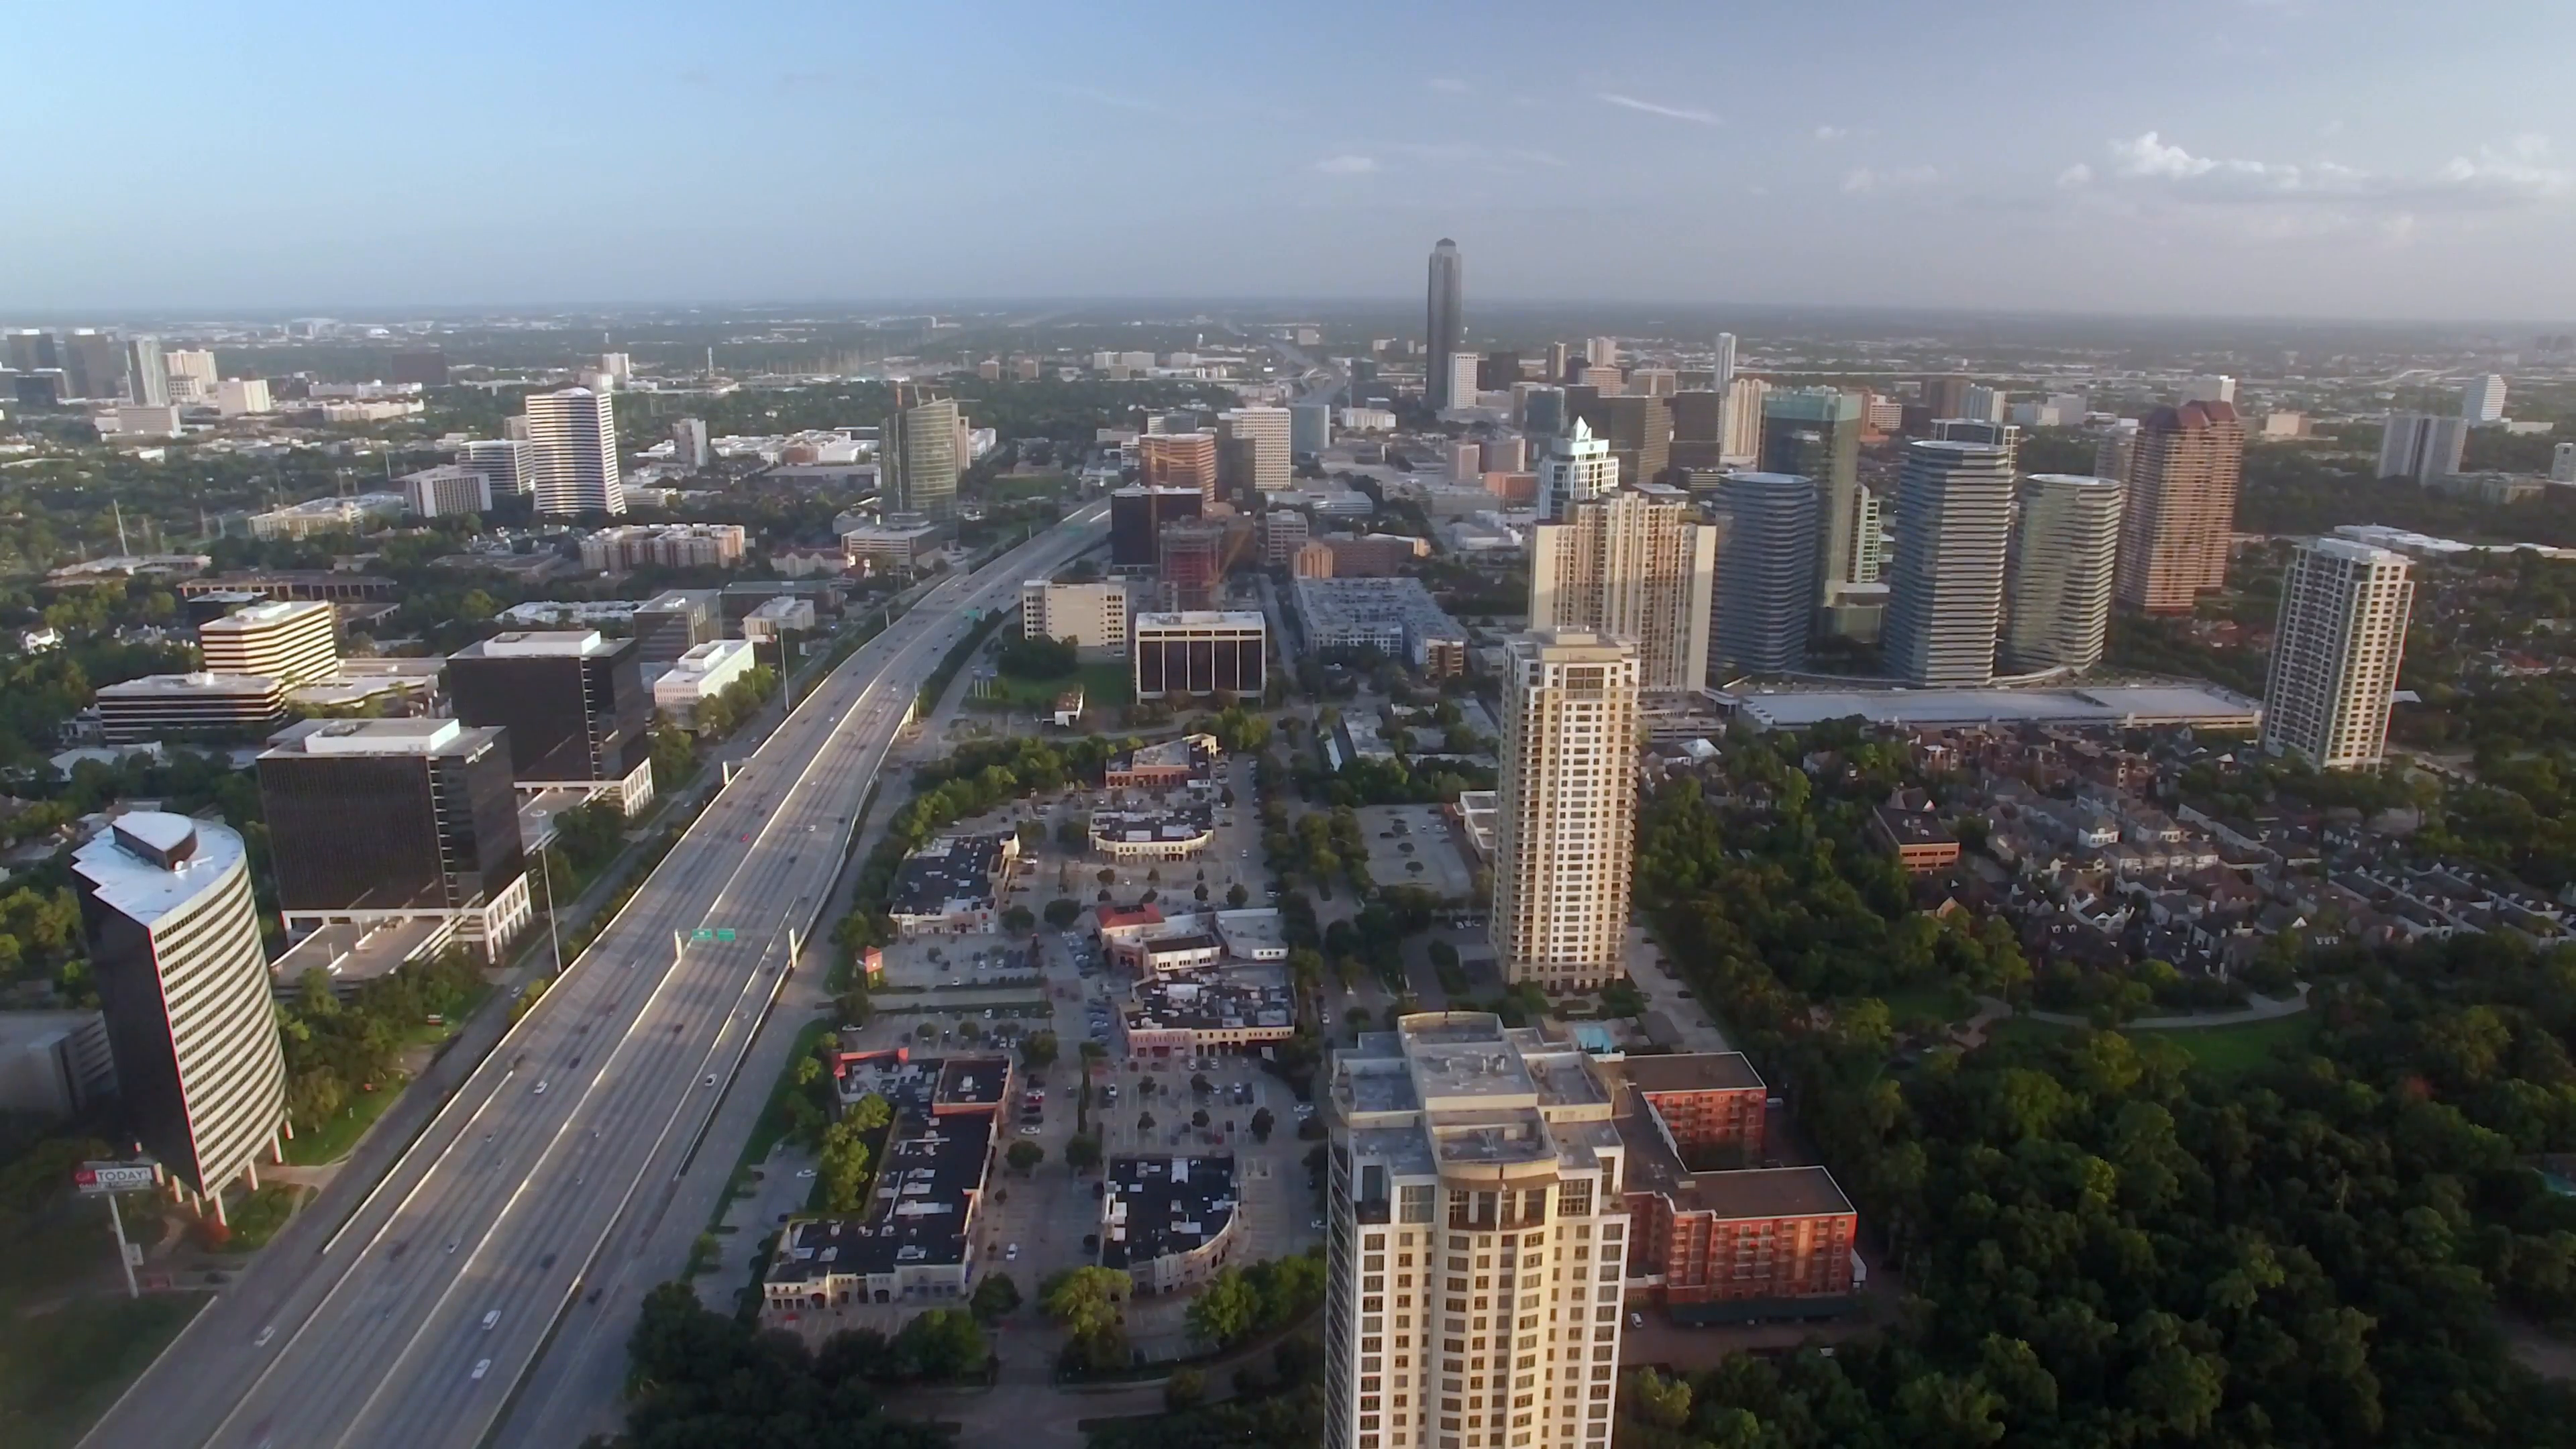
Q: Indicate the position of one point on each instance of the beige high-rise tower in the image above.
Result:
(2335, 656)
(1478, 1240)
(1564, 846)
(2183, 473)
(1634, 564)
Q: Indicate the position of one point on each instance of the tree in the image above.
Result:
(1262, 1122)
(1185, 1389)
(1018, 920)
(994, 1297)
(1144, 1123)
(870, 1113)
(1062, 912)
(1082, 1154)
(942, 1343)
(1226, 1310)
(1088, 1303)
(843, 1168)
(1024, 1156)
(1199, 1119)
(1200, 1084)
(1236, 895)
(1039, 1050)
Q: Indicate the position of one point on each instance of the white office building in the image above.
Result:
(1565, 837)
(2421, 446)
(509, 465)
(1093, 616)
(1577, 466)
(2215, 387)
(2335, 656)
(237, 397)
(1462, 379)
(1742, 442)
(1634, 564)
(1945, 596)
(292, 642)
(2064, 549)
(175, 951)
(1270, 431)
(574, 433)
(700, 675)
(2562, 463)
(1477, 1241)
(2482, 401)
(447, 490)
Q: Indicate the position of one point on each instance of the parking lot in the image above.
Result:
(1416, 845)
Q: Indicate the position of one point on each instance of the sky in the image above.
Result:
(2309, 158)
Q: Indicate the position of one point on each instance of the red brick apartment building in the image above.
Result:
(1745, 1243)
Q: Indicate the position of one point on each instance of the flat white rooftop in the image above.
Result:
(2203, 705)
(538, 642)
(142, 888)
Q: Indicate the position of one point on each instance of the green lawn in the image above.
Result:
(255, 1217)
(1935, 1002)
(59, 1370)
(333, 1141)
(2225, 1051)
(1105, 684)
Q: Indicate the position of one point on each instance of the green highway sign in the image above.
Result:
(724, 935)
(702, 934)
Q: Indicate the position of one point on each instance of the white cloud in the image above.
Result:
(1864, 179)
(2518, 173)
(1347, 165)
(1450, 84)
(2078, 174)
(1692, 114)
(1831, 134)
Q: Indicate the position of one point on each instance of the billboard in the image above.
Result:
(92, 1178)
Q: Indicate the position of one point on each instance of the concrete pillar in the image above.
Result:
(250, 1174)
(215, 1200)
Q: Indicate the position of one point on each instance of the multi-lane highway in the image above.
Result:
(534, 1191)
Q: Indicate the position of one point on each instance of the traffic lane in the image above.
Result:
(535, 1123)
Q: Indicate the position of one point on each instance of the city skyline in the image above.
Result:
(2222, 183)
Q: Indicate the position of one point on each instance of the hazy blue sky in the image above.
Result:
(2186, 156)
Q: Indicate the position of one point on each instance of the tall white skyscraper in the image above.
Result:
(1945, 595)
(1982, 403)
(1479, 1234)
(2421, 446)
(1746, 397)
(2336, 653)
(2482, 401)
(1633, 564)
(1565, 842)
(2216, 387)
(574, 452)
(1601, 351)
(2562, 463)
(1462, 380)
(2065, 553)
(1766, 573)
(1725, 368)
(922, 455)
(1576, 466)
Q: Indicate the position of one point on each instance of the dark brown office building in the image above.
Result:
(390, 815)
(573, 702)
(427, 367)
(1136, 519)
(1639, 427)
